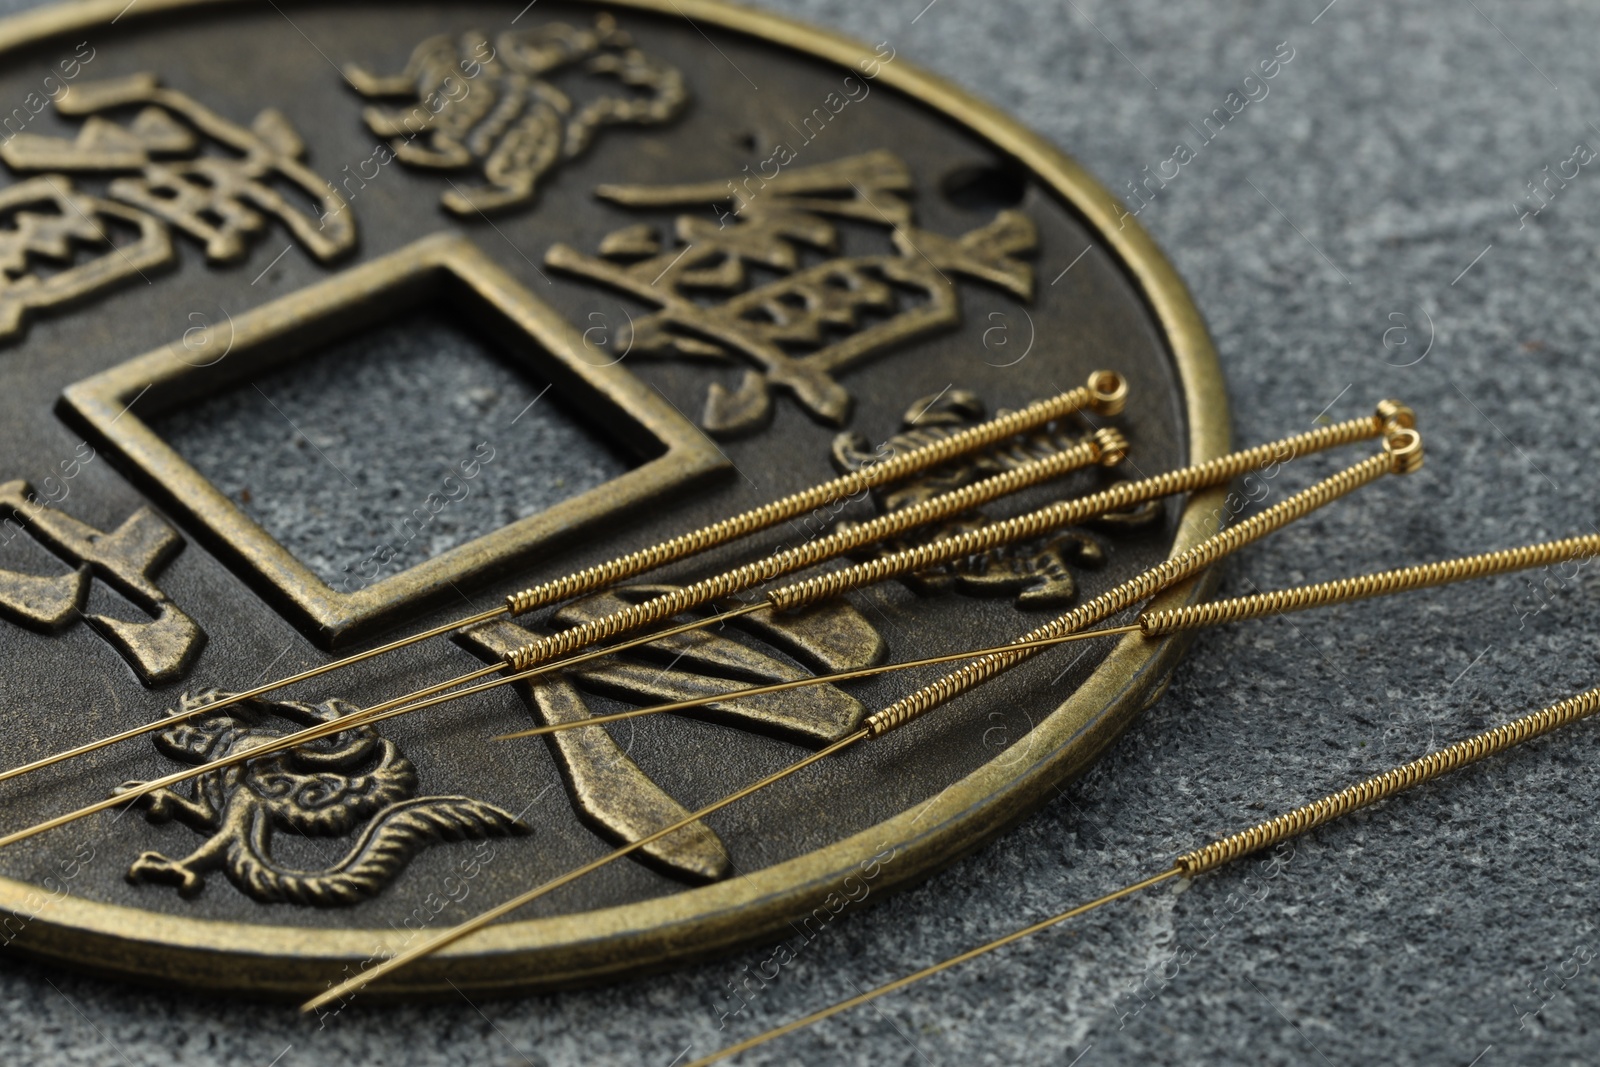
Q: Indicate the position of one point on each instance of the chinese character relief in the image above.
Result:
(218, 199)
(1039, 573)
(159, 649)
(609, 790)
(46, 223)
(353, 782)
(799, 332)
(497, 111)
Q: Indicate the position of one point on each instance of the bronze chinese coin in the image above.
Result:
(327, 323)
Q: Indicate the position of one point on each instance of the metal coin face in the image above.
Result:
(325, 325)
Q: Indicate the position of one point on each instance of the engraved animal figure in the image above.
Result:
(1037, 573)
(325, 788)
(795, 334)
(496, 108)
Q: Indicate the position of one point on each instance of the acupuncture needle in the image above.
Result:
(1199, 476)
(1388, 414)
(1104, 445)
(1402, 450)
(1402, 453)
(1105, 393)
(1284, 827)
(1160, 623)
(534, 659)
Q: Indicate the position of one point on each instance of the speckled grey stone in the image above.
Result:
(1371, 198)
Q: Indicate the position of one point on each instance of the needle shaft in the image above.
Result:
(299, 737)
(820, 679)
(235, 698)
(432, 696)
(456, 933)
(929, 971)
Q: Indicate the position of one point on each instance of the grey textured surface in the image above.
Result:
(417, 474)
(1377, 178)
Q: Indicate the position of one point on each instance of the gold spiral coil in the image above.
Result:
(1475, 748)
(1383, 583)
(1396, 414)
(1401, 443)
(1067, 512)
(1104, 446)
(1106, 393)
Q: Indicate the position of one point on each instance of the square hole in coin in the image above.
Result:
(386, 437)
(389, 447)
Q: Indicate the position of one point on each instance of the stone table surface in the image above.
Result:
(1364, 229)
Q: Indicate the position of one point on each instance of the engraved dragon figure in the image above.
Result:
(325, 788)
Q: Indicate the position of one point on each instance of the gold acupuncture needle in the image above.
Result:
(1105, 393)
(1402, 451)
(1106, 445)
(1282, 828)
(1213, 472)
(1195, 616)
(541, 656)
(1388, 414)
